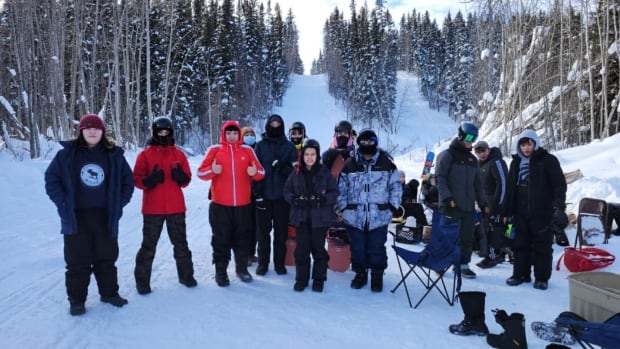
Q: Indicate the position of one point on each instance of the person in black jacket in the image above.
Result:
(90, 182)
(458, 182)
(535, 201)
(312, 192)
(341, 146)
(493, 175)
(278, 156)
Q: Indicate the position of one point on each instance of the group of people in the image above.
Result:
(256, 187)
(262, 186)
(530, 196)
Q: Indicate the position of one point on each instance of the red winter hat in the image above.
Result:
(91, 121)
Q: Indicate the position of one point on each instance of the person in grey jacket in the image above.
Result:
(369, 191)
(459, 185)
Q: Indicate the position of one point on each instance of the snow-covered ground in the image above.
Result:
(266, 312)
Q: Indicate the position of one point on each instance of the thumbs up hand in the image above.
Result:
(217, 169)
(252, 170)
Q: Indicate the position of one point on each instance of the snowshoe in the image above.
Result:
(552, 332)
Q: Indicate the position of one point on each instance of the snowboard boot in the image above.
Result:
(376, 280)
(185, 271)
(360, 280)
(143, 288)
(473, 308)
(221, 276)
(514, 334)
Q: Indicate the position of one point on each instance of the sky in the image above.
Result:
(266, 312)
(311, 17)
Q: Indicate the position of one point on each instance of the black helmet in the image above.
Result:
(162, 123)
(343, 126)
(468, 132)
(297, 125)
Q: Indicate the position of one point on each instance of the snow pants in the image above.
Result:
(532, 246)
(91, 250)
(151, 231)
(274, 216)
(311, 241)
(368, 248)
(231, 228)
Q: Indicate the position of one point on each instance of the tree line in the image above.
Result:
(508, 65)
(196, 61)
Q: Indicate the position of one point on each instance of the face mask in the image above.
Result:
(249, 140)
(342, 141)
(368, 149)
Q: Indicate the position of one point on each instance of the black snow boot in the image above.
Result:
(185, 271)
(221, 276)
(473, 307)
(360, 280)
(77, 308)
(514, 334)
(115, 300)
(376, 280)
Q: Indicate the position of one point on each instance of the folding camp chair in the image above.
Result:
(589, 207)
(587, 333)
(431, 264)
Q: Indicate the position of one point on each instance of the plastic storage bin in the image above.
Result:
(595, 295)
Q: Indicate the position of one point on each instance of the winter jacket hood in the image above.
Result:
(231, 187)
(531, 134)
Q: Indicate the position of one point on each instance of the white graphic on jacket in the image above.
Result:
(92, 175)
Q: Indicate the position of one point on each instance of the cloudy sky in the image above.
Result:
(310, 17)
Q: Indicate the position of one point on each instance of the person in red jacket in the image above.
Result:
(161, 171)
(231, 166)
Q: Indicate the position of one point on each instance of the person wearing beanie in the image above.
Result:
(161, 172)
(297, 135)
(410, 201)
(279, 157)
(535, 200)
(459, 186)
(312, 192)
(232, 167)
(248, 136)
(90, 182)
(369, 192)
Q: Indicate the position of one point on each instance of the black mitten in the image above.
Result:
(156, 177)
(559, 218)
(179, 175)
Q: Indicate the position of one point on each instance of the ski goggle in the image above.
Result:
(470, 138)
(368, 141)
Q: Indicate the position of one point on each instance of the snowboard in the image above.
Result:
(552, 332)
(428, 164)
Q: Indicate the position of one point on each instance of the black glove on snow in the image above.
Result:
(179, 175)
(260, 204)
(156, 177)
(559, 218)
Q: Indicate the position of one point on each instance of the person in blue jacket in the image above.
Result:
(90, 182)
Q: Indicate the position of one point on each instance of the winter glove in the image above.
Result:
(282, 168)
(156, 177)
(179, 175)
(397, 212)
(559, 218)
(260, 204)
